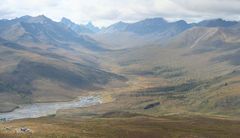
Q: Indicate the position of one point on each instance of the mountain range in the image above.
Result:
(32, 28)
(160, 25)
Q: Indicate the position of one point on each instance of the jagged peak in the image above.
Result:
(33, 19)
(64, 19)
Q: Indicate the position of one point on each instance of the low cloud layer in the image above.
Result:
(105, 12)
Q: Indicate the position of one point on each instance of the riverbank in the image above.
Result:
(7, 107)
(44, 109)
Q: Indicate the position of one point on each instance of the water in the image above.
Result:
(44, 109)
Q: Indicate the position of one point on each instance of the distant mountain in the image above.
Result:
(148, 26)
(91, 27)
(117, 27)
(41, 29)
(164, 28)
(75, 27)
(236, 27)
(216, 23)
(157, 26)
(80, 29)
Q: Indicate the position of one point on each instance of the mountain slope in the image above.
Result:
(207, 39)
(30, 76)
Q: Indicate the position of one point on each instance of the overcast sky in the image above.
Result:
(105, 12)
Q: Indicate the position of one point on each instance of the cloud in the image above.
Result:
(227, 9)
(104, 12)
(213, 6)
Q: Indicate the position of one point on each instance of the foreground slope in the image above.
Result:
(128, 127)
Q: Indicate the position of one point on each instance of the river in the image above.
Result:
(44, 109)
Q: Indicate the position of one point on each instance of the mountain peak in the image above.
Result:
(26, 17)
(119, 26)
(120, 23)
(66, 21)
(91, 27)
(181, 22)
(40, 18)
(89, 24)
(31, 19)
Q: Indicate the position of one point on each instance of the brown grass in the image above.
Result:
(140, 127)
